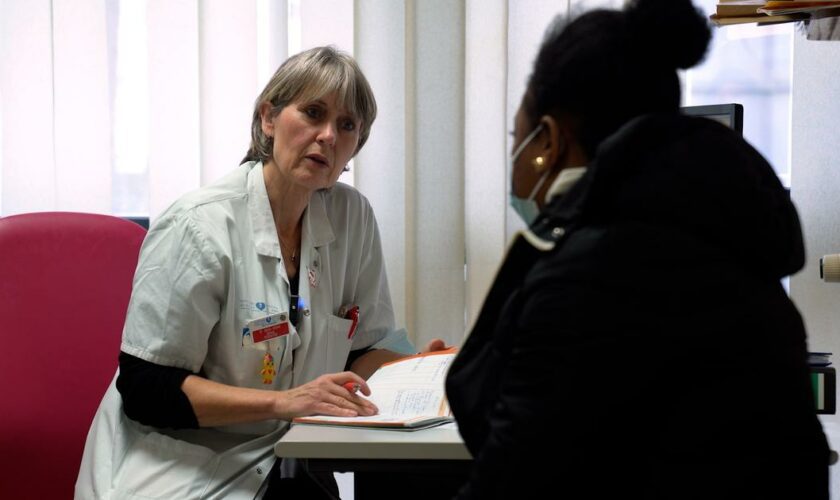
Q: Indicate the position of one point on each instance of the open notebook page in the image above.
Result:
(410, 391)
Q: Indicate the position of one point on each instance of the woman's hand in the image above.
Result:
(435, 345)
(326, 395)
(218, 404)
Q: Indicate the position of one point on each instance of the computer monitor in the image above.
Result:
(731, 115)
(142, 221)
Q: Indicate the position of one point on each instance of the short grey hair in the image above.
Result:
(311, 75)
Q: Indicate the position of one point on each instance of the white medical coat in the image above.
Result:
(209, 264)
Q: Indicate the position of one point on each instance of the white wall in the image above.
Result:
(381, 168)
(815, 181)
(485, 169)
(228, 83)
(412, 169)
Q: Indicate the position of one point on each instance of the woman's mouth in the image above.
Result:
(318, 159)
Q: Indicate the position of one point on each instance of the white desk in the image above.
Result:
(434, 462)
(321, 441)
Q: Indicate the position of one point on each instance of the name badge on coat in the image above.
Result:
(266, 328)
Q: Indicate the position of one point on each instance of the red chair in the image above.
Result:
(65, 281)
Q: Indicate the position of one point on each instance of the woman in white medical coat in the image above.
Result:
(255, 300)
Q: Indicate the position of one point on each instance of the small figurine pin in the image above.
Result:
(268, 372)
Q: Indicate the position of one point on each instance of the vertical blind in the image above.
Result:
(120, 107)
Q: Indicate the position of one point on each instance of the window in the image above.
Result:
(128, 61)
(750, 65)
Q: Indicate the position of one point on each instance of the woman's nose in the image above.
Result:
(326, 135)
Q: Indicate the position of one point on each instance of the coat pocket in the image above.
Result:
(338, 343)
(158, 466)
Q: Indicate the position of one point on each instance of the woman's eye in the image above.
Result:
(348, 125)
(313, 112)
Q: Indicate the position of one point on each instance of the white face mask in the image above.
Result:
(527, 208)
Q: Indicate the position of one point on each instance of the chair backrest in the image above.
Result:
(65, 281)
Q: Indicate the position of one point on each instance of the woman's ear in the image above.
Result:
(266, 119)
(554, 146)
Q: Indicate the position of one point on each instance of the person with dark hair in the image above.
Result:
(256, 300)
(637, 341)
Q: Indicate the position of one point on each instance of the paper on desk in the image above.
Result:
(408, 392)
(412, 386)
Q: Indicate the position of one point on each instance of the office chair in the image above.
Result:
(65, 281)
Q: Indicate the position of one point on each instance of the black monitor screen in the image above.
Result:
(731, 115)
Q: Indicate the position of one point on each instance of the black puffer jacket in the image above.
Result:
(640, 338)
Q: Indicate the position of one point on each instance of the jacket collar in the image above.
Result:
(562, 213)
(316, 223)
(564, 182)
(553, 224)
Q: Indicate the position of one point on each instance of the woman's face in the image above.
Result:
(523, 176)
(313, 141)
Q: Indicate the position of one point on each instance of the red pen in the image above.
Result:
(352, 314)
(352, 387)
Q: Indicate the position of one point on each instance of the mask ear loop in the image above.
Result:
(538, 186)
(525, 143)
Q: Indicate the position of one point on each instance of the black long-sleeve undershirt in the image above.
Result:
(152, 394)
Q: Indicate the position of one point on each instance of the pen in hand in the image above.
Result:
(368, 408)
(352, 387)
